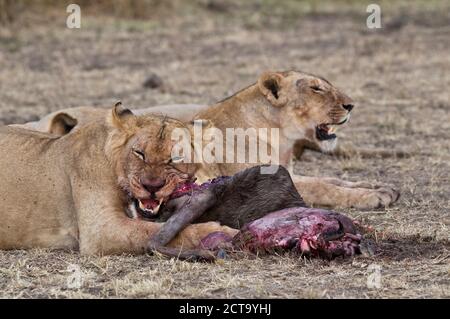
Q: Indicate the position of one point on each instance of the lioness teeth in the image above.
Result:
(156, 209)
(141, 206)
(153, 210)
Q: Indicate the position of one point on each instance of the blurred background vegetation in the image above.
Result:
(13, 10)
(23, 12)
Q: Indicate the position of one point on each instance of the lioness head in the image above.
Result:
(309, 107)
(140, 148)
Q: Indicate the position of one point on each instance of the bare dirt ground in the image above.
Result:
(398, 75)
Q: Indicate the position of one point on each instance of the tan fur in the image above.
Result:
(296, 110)
(62, 121)
(63, 192)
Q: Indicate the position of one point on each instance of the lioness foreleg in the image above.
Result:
(123, 235)
(105, 229)
(333, 192)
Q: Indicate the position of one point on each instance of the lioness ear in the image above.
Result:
(61, 124)
(121, 116)
(200, 123)
(269, 84)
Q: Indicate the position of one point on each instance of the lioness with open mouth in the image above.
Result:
(306, 108)
(72, 191)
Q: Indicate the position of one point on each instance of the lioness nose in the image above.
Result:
(348, 107)
(153, 184)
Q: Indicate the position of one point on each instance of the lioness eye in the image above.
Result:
(139, 154)
(176, 159)
(316, 88)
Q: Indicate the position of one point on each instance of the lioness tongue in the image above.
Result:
(149, 204)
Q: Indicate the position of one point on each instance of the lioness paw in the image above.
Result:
(381, 197)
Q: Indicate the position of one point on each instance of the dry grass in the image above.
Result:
(13, 10)
(399, 76)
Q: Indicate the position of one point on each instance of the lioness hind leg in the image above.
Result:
(330, 192)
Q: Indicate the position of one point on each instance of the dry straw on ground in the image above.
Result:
(399, 77)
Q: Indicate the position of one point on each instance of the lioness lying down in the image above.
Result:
(72, 191)
(307, 110)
